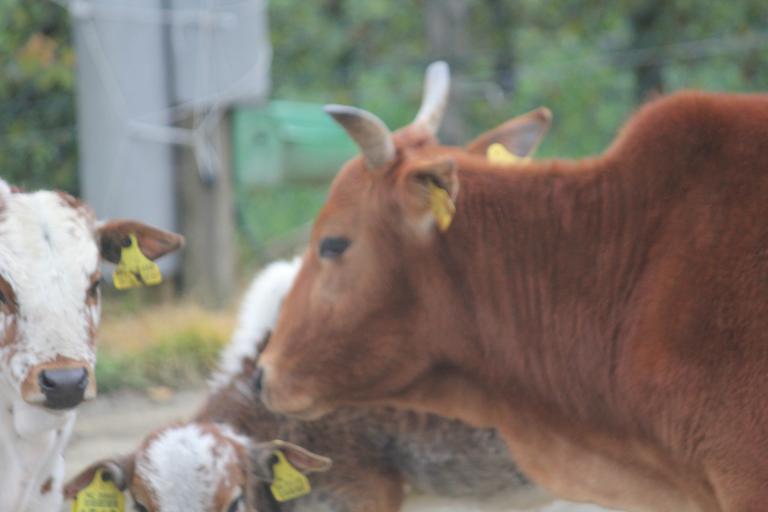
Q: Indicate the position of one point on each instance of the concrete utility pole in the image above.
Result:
(207, 217)
(205, 196)
(156, 80)
(649, 77)
(503, 36)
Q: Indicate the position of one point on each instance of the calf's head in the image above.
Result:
(350, 316)
(49, 292)
(197, 467)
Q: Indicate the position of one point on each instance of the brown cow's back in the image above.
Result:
(651, 358)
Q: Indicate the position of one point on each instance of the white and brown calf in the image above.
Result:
(221, 460)
(202, 465)
(50, 247)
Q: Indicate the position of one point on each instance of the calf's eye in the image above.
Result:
(333, 246)
(235, 505)
(7, 298)
(93, 290)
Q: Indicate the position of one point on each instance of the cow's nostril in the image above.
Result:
(46, 382)
(63, 388)
(258, 378)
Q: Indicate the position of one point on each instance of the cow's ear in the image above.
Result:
(115, 234)
(520, 135)
(264, 457)
(429, 191)
(117, 469)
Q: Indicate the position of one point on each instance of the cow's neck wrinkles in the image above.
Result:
(569, 238)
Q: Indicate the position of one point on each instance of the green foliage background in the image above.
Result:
(577, 57)
(38, 146)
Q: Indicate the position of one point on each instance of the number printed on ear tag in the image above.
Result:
(100, 495)
(134, 269)
(289, 482)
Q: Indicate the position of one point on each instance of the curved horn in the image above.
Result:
(436, 87)
(368, 131)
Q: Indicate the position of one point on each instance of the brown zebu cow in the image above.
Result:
(220, 461)
(608, 315)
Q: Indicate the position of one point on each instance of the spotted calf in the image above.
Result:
(50, 247)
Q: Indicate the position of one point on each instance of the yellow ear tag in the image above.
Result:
(498, 154)
(134, 269)
(99, 496)
(289, 482)
(441, 205)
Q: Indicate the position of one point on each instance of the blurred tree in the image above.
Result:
(647, 40)
(502, 32)
(37, 115)
(589, 60)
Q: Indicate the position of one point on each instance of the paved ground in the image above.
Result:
(114, 424)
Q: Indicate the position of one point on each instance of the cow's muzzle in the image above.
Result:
(63, 388)
(278, 397)
(59, 385)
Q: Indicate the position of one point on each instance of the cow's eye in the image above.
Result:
(234, 506)
(139, 507)
(333, 246)
(93, 290)
(7, 298)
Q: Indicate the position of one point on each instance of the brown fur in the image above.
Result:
(375, 454)
(608, 315)
(47, 486)
(9, 308)
(369, 448)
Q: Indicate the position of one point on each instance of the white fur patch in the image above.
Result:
(47, 254)
(258, 315)
(30, 457)
(184, 466)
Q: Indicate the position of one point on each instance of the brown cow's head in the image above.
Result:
(49, 296)
(197, 467)
(350, 315)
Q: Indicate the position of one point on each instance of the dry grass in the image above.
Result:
(165, 344)
(136, 331)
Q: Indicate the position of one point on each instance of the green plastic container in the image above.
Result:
(287, 142)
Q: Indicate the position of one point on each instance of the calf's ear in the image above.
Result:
(113, 235)
(520, 135)
(429, 189)
(264, 455)
(117, 469)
